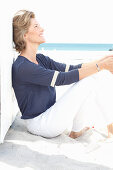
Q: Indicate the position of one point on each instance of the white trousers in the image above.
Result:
(88, 102)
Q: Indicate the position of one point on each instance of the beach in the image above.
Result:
(92, 151)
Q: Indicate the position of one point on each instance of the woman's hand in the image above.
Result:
(106, 63)
(90, 68)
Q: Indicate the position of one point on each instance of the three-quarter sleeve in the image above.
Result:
(36, 74)
(53, 65)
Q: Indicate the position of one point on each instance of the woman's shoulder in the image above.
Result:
(18, 61)
(21, 63)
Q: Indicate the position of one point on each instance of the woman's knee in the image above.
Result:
(104, 76)
(88, 83)
(104, 72)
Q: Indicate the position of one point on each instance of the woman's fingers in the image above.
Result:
(103, 59)
(108, 63)
(109, 56)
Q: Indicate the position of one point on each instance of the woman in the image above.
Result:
(87, 102)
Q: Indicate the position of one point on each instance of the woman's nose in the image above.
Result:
(42, 30)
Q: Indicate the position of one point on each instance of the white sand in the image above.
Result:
(92, 151)
(27, 151)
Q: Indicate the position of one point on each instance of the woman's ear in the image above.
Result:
(25, 36)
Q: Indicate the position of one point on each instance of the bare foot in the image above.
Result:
(110, 130)
(77, 134)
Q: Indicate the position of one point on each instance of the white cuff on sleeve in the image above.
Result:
(54, 78)
(67, 68)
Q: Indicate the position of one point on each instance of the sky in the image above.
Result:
(71, 21)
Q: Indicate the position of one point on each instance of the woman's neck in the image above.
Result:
(30, 53)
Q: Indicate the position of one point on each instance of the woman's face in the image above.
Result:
(35, 33)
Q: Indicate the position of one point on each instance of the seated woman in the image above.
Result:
(87, 103)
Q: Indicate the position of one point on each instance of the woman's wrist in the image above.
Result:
(101, 65)
(91, 68)
(98, 68)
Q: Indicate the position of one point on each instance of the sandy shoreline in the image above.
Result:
(26, 151)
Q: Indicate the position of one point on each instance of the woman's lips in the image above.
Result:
(41, 35)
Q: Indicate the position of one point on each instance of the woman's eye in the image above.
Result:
(36, 26)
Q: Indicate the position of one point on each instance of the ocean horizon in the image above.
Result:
(76, 47)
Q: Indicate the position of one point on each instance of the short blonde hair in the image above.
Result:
(21, 23)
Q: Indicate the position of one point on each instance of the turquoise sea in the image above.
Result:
(76, 47)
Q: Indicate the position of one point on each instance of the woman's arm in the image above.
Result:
(53, 65)
(31, 73)
(91, 68)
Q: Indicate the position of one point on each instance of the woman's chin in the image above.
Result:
(42, 42)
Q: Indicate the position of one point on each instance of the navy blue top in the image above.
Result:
(34, 84)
